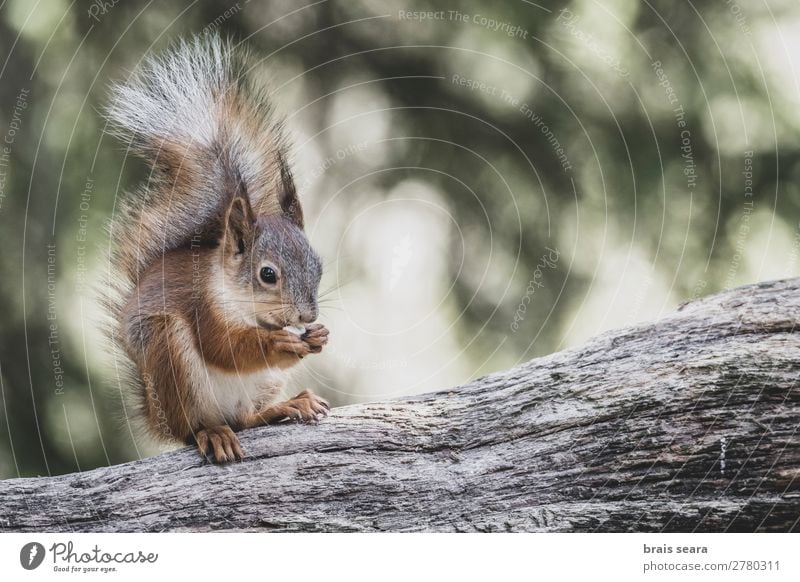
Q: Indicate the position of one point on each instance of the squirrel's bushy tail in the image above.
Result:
(203, 122)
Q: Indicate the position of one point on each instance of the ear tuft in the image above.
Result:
(239, 225)
(287, 197)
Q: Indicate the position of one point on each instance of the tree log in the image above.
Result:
(687, 424)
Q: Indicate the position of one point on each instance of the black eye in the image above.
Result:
(268, 275)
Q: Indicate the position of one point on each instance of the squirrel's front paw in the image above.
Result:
(316, 336)
(290, 343)
(219, 443)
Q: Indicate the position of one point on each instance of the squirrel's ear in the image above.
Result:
(239, 225)
(287, 197)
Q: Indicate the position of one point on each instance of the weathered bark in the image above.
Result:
(687, 424)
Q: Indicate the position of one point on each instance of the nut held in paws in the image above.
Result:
(295, 329)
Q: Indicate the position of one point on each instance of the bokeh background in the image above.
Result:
(487, 182)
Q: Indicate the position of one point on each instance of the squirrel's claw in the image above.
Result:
(219, 444)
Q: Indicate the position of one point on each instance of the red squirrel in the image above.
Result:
(215, 283)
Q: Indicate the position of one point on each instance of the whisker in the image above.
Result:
(327, 263)
(328, 302)
(256, 301)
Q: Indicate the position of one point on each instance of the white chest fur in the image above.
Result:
(227, 396)
(222, 396)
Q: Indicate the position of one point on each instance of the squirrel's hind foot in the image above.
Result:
(305, 407)
(219, 444)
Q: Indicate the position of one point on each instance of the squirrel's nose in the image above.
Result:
(308, 314)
